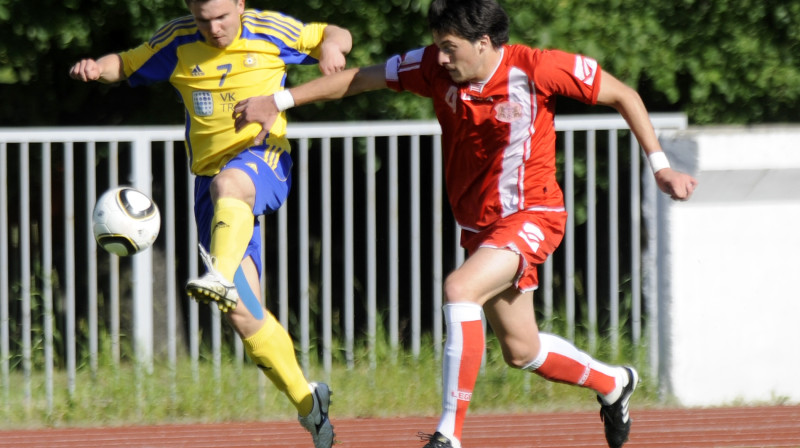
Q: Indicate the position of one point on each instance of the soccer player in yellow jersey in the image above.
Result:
(218, 55)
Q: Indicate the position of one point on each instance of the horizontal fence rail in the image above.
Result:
(361, 247)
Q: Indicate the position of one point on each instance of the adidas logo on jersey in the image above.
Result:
(196, 71)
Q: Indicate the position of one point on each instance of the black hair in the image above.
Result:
(470, 19)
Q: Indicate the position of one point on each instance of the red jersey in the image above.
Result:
(498, 137)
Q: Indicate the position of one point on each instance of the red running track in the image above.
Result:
(745, 427)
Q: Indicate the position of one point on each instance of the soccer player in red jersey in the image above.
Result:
(495, 103)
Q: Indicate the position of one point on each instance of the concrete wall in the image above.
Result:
(728, 265)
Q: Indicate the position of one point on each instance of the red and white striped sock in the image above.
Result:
(463, 351)
(559, 360)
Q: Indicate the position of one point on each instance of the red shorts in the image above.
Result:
(534, 235)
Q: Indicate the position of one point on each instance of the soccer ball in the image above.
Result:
(125, 221)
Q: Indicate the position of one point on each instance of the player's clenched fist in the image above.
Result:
(85, 70)
(107, 69)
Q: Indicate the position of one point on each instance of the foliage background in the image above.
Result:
(722, 61)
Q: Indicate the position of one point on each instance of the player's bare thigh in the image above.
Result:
(513, 320)
(485, 274)
(241, 318)
(487, 278)
(233, 183)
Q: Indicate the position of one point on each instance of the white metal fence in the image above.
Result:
(361, 247)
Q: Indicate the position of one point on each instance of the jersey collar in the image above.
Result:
(478, 86)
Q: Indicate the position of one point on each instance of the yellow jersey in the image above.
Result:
(211, 80)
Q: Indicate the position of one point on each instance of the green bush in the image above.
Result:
(726, 61)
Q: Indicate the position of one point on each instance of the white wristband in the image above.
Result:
(658, 161)
(283, 100)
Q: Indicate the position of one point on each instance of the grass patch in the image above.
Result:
(399, 385)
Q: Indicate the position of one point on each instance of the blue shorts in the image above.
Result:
(270, 169)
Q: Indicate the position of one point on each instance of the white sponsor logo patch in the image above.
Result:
(203, 103)
(585, 69)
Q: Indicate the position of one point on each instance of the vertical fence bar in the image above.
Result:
(438, 329)
(283, 265)
(25, 267)
(547, 267)
(268, 301)
(194, 306)
(416, 258)
(262, 221)
(372, 252)
(613, 239)
(460, 252)
(91, 251)
(303, 256)
(569, 237)
(168, 217)
(142, 276)
(394, 250)
(238, 354)
(216, 340)
(47, 272)
(327, 277)
(113, 262)
(69, 258)
(5, 322)
(349, 257)
(591, 237)
(635, 243)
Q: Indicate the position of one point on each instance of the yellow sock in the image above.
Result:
(272, 350)
(231, 230)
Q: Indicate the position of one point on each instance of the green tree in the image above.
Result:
(722, 61)
(40, 39)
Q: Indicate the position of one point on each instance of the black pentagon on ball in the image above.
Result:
(109, 240)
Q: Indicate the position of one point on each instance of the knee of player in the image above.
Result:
(221, 185)
(519, 356)
(456, 291)
(517, 360)
(232, 183)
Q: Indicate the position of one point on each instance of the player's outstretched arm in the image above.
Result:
(107, 69)
(336, 43)
(629, 104)
(264, 110)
